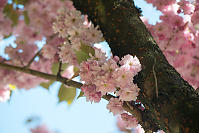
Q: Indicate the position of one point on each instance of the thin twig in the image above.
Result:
(60, 69)
(108, 97)
(195, 57)
(168, 43)
(33, 58)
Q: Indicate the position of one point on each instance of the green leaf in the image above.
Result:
(55, 68)
(76, 72)
(83, 54)
(26, 17)
(21, 2)
(7, 36)
(75, 69)
(81, 94)
(87, 49)
(11, 13)
(47, 84)
(66, 94)
(64, 66)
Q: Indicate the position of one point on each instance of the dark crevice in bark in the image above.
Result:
(176, 109)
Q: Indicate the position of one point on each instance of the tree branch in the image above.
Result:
(30, 62)
(41, 75)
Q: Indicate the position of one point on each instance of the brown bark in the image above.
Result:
(172, 104)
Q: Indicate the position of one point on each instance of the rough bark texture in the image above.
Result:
(172, 104)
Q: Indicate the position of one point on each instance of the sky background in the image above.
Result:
(80, 117)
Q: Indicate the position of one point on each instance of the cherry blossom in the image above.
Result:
(115, 106)
(4, 94)
(40, 129)
(129, 121)
(91, 93)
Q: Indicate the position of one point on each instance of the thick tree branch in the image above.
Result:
(177, 107)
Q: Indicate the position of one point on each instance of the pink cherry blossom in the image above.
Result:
(131, 63)
(67, 55)
(160, 131)
(115, 106)
(121, 124)
(68, 72)
(138, 129)
(129, 93)
(129, 121)
(40, 129)
(4, 94)
(91, 93)
(2, 3)
(88, 70)
(186, 7)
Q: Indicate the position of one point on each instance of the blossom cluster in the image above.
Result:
(110, 75)
(76, 30)
(126, 121)
(178, 36)
(102, 76)
(99, 74)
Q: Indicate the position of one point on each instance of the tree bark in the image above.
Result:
(171, 103)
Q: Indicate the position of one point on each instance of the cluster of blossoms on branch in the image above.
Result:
(100, 75)
(103, 76)
(106, 76)
(178, 35)
(77, 31)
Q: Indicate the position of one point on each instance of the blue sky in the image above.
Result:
(80, 117)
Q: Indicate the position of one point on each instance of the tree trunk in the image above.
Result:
(171, 103)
